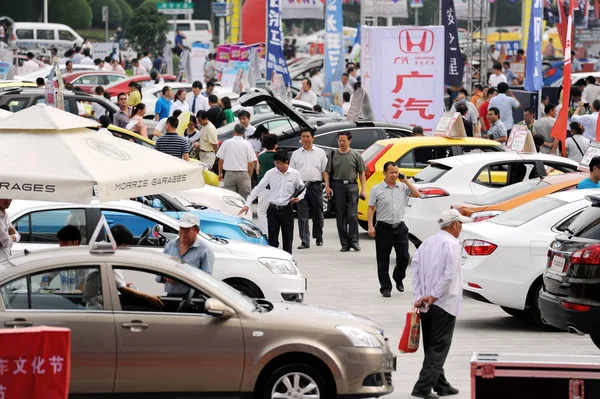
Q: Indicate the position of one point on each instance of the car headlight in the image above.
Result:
(234, 201)
(279, 266)
(360, 338)
(250, 231)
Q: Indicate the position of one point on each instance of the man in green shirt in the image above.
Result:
(265, 163)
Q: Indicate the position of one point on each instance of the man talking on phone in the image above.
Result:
(389, 198)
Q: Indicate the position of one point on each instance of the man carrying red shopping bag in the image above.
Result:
(437, 289)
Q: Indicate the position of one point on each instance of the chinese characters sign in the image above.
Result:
(405, 68)
(533, 71)
(334, 43)
(275, 60)
(454, 63)
(35, 363)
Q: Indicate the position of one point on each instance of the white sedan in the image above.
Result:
(218, 198)
(503, 258)
(450, 180)
(256, 270)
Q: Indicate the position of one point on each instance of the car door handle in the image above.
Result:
(18, 323)
(136, 325)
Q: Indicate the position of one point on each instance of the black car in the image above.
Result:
(570, 296)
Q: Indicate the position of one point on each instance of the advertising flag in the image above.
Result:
(334, 43)
(454, 64)
(533, 66)
(275, 60)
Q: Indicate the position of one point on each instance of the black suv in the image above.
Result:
(570, 296)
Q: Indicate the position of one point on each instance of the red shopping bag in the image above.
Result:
(409, 342)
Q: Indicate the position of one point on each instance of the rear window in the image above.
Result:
(372, 152)
(431, 173)
(509, 192)
(527, 212)
(587, 224)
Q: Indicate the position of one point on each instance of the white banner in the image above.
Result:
(306, 9)
(103, 50)
(198, 57)
(403, 72)
(461, 8)
(385, 8)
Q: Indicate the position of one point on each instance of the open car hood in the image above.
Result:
(277, 105)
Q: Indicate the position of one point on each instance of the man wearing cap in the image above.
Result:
(190, 249)
(437, 289)
(389, 198)
(236, 157)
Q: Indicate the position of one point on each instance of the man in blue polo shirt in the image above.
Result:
(162, 109)
(594, 180)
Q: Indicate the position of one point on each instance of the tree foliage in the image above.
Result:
(75, 13)
(134, 3)
(126, 12)
(115, 17)
(148, 29)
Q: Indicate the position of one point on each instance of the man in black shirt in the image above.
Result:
(172, 143)
(215, 113)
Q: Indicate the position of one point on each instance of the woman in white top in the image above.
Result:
(179, 103)
(576, 143)
(136, 120)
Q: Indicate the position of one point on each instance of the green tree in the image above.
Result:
(75, 13)
(126, 12)
(149, 3)
(115, 18)
(147, 30)
(134, 3)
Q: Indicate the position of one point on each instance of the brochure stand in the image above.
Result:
(450, 125)
(592, 151)
(520, 140)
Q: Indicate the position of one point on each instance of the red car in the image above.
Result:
(144, 80)
(88, 80)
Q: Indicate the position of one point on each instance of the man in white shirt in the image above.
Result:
(591, 92)
(505, 101)
(86, 60)
(146, 62)
(236, 158)
(437, 290)
(30, 65)
(285, 182)
(306, 94)
(317, 82)
(138, 70)
(244, 118)
(311, 162)
(77, 56)
(209, 142)
(116, 67)
(588, 122)
(196, 100)
(497, 76)
(8, 233)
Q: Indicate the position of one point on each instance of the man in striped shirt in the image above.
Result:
(172, 143)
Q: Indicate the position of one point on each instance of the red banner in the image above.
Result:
(35, 363)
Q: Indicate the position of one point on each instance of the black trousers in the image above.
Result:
(311, 207)
(387, 238)
(437, 326)
(346, 212)
(281, 218)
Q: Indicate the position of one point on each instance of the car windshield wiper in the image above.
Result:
(416, 179)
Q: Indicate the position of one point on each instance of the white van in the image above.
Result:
(30, 35)
(194, 30)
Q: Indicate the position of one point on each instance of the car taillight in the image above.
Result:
(574, 306)
(370, 169)
(478, 247)
(587, 256)
(432, 192)
(481, 216)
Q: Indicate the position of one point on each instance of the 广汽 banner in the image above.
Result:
(403, 68)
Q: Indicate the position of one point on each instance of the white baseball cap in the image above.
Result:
(188, 220)
(452, 215)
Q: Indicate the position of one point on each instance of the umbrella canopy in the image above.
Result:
(49, 155)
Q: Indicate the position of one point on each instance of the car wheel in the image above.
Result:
(295, 381)
(519, 314)
(534, 307)
(596, 340)
(247, 288)
(363, 225)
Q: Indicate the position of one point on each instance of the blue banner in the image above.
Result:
(334, 43)
(533, 66)
(454, 65)
(275, 60)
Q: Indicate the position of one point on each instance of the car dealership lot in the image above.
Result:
(348, 281)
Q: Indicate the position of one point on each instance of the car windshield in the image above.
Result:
(231, 293)
(508, 192)
(158, 214)
(527, 212)
(587, 225)
(182, 201)
(431, 173)
(285, 128)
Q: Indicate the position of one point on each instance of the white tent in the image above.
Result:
(50, 155)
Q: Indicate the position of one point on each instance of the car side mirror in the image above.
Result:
(216, 308)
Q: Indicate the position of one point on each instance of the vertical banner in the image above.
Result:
(236, 51)
(223, 55)
(167, 60)
(198, 57)
(337, 97)
(525, 19)
(275, 60)
(533, 67)
(454, 64)
(4, 70)
(334, 43)
(406, 71)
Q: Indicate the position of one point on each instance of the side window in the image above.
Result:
(24, 34)
(555, 167)
(113, 78)
(23, 227)
(45, 34)
(423, 155)
(202, 26)
(184, 26)
(88, 80)
(17, 104)
(42, 100)
(76, 288)
(65, 35)
(474, 149)
(563, 226)
(160, 293)
(364, 138)
(326, 140)
(138, 225)
(500, 175)
(276, 124)
(45, 224)
(395, 133)
(407, 160)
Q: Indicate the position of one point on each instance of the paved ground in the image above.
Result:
(348, 281)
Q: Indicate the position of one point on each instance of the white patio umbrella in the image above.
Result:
(50, 155)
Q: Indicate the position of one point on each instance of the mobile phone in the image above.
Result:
(401, 176)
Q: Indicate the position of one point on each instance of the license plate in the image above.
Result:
(558, 263)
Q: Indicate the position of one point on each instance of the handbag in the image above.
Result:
(409, 342)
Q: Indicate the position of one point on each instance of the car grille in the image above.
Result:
(378, 380)
(388, 378)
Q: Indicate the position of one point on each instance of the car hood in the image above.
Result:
(278, 106)
(247, 250)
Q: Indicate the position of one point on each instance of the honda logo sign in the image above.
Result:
(416, 41)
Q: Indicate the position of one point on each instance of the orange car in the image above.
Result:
(495, 202)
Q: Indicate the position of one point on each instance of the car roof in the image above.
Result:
(85, 72)
(489, 157)
(575, 195)
(121, 130)
(333, 126)
(23, 205)
(439, 140)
